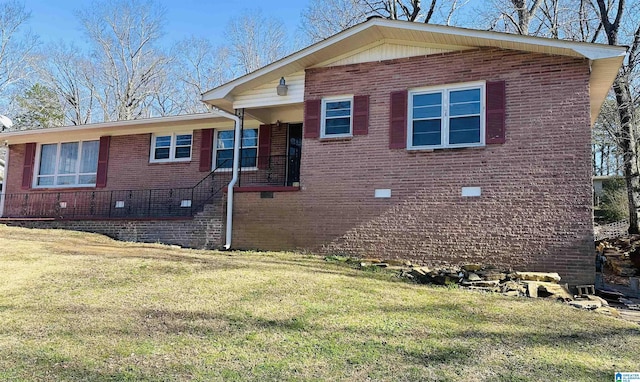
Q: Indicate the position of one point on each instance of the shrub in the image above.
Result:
(615, 204)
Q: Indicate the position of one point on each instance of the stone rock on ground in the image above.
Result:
(481, 283)
(537, 276)
(601, 300)
(491, 275)
(512, 286)
(472, 267)
(622, 266)
(555, 290)
(537, 289)
(473, 277)
(586, 304)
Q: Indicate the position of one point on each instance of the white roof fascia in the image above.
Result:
(106, 126)
(590, 51)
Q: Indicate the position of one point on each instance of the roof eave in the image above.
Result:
(487, 38)
(138, 126)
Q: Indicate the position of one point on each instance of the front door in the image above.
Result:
(294, 150)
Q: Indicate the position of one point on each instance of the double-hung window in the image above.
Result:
(337, 117)
(68, 164)
(171, 147)
(224, 148)
(452, 116)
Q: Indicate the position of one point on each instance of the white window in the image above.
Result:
(452, 116)
(68, 164)
(337, 117)
(223, 145)
(171, 147)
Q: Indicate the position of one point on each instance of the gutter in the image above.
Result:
(236, 166)
(5, 164)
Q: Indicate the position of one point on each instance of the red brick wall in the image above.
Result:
(129, 166)
(535, 209)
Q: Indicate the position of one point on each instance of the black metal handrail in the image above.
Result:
(147, 203)
(273, 170)
(207, 188)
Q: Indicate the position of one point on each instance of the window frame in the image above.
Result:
(172, 147)
(214, 157)
(323, 116)
(445, 90)
(77, 174)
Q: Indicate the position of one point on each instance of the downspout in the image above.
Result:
(5, 164)
(236, 166)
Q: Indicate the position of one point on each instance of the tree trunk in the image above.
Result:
(601, 169)
(629, 142)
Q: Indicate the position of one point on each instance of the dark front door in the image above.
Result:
(294, 149)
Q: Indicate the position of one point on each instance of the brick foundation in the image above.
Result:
(205, 230)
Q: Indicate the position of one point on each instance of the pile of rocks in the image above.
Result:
(487, 278)
(621, 256)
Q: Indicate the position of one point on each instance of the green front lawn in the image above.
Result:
(81, 307)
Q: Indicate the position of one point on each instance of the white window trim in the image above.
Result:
(323, 110)
(172, 147)
(445, 90)
(36, 166)
(214, 157)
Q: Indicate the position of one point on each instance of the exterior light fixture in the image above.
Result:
(5, 123)
(282, 87)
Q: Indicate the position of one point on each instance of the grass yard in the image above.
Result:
(81, 307)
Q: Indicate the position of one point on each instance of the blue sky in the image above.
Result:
(55, 20)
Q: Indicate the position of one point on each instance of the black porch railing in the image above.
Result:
(274, 170)
(148, 203)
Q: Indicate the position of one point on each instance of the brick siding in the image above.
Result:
(535, 209)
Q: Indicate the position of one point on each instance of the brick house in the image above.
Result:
(390, 139)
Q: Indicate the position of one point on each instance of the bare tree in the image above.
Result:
(576, 20)
(123, 34)
(324, 18)
(16, 45)
(628, 134)
(449, 12)
(607, 159)
(434, 11)
(71, 76)
(198, 66)
(410, 10)
(514, 16)
(255, 41)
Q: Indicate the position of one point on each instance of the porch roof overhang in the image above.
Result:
(118, 128)
(605, 59)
